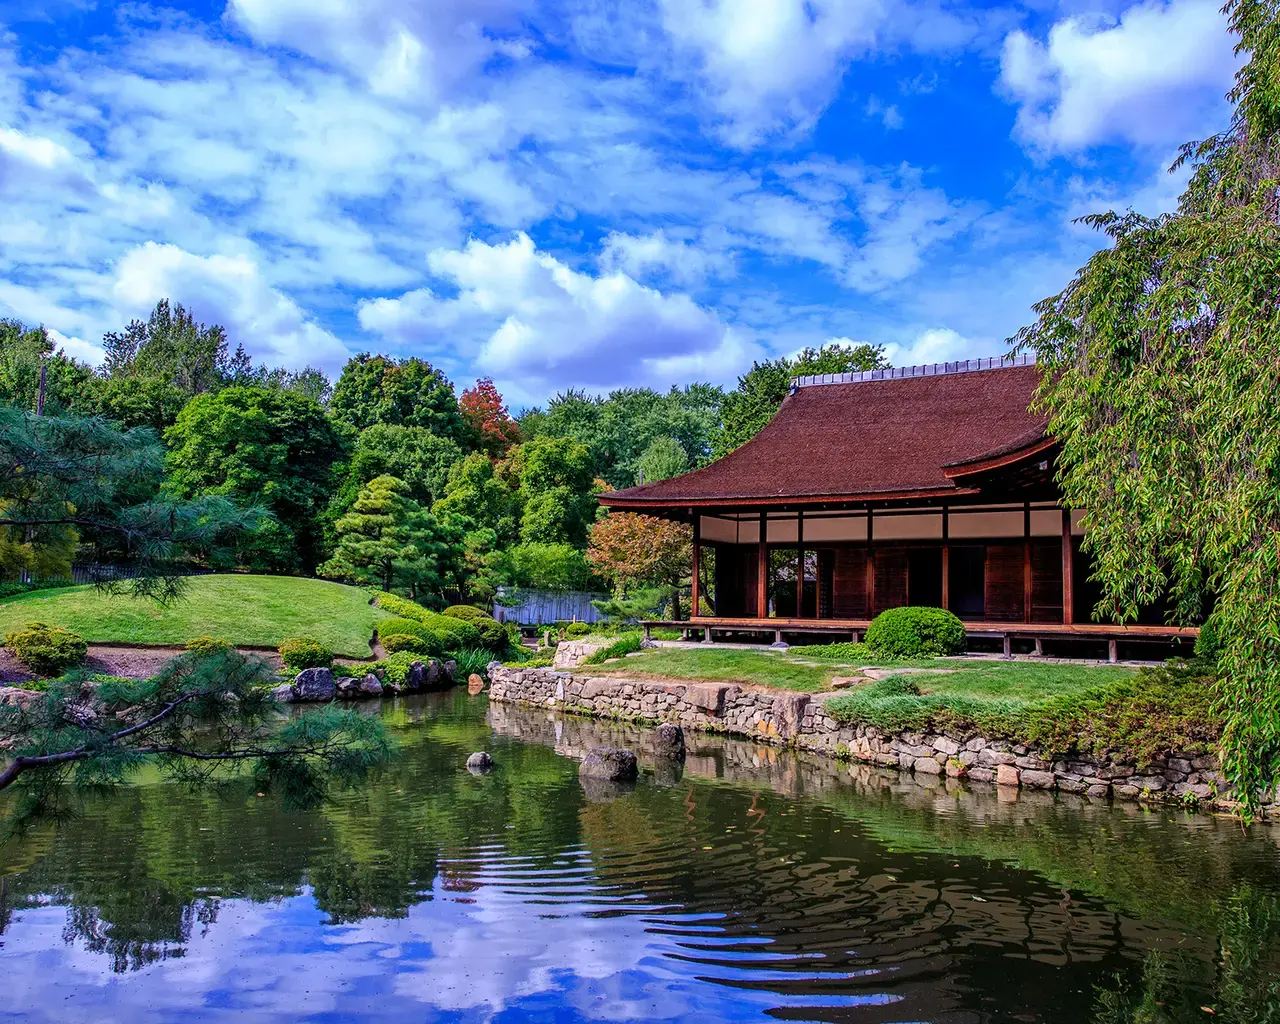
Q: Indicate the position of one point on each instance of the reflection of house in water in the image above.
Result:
(926, 485)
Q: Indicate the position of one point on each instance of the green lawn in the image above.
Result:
(1015, 680)
(247, 610)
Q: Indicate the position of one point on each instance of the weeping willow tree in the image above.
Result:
(1162, 382)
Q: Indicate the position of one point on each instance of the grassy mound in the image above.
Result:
(247, 610)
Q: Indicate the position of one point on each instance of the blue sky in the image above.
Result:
(583, 193)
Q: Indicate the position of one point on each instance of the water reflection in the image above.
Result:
(748, 884)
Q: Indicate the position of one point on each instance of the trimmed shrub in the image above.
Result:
(915, 633)
(394, 668)
(1210, 643)
(577, 630)
(618, 649)
(397, 642)
(403, 607)
(832, 652)
(463, 634)
(205, 645)
(299, 652)
(466, 612)
(46, 650)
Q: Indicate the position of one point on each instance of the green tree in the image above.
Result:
(62, 473)
(1161, 369)
(556, 490)
(138, 401)
(259, 446)
(388, 539)
(748, 410)
(663, 459)
(173, 347)
(544, 567)
(405, 392)
(69, 386)
(480, 499)
(418, 457)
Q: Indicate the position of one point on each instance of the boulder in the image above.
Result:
(347, 687)
(371, 686)
(18, 697)
(415, 678)
(283, 693)
(449, 672)
(609, 763)
(602, 791)
(668, 742)
(314, 684)
(475, 679)
(479, 763)
(1006, 775)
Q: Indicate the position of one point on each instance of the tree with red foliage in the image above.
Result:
(483, 409)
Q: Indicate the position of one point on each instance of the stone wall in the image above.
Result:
(801, 720)
(572, 653)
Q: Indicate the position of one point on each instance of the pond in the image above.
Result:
(753, 884)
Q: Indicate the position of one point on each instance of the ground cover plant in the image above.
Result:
(256, 611)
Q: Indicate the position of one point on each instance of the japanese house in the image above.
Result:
(923, 485)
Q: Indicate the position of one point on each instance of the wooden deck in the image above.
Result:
(1006, 631)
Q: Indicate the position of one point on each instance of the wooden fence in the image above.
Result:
(539, 607)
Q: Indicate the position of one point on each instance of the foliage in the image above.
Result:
(640, 603)
(630, 549)
(664, 458)
(394, 668)
(389, 539)
(37, 552)
(457, 633)
(62, 472)
(1162, 363)
(397, 642)
(207, 645)
(493, 634)
(259, 446)
(251, 611)
(486, 414)
(848, 653)
(199, 715)
(544, 567)
(555, 491)
(473, 661)
(397, 392)
(300, 652)
(748, 409)
(628, 644)
(401, 606)
(480, 499)
(577, 630)
(619, 428)
(413, 454)
(915, 632)
(173, 348)
(46, 650)
(14, 588)
(23, 351)
(433, 641)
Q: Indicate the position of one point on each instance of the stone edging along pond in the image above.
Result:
(801, 720)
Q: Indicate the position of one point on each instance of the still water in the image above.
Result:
(750, 885)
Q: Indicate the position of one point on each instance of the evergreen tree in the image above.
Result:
(405, 392)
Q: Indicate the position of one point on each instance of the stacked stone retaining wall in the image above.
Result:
(801, 720)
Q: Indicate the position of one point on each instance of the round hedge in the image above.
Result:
(915, 633)
(403, 642)
(47, 650)
(301, 652)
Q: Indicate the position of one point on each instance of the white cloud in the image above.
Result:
(522, 315)
(77, 348)
(1155, 76)
(228, 290)
(683, 261)
(408, 49)
(935, 345)
(888, 113)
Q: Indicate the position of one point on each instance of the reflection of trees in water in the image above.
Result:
(144, 870)
(1243, 987)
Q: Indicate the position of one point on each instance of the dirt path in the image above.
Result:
(116, 660)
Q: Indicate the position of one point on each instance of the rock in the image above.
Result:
(283, 693)
(1033, 779)
(707, 696)
(927, 766)
(609, 763)
(943, 744)
(956, 769)
(448, 672)
(602, 791)
(475, 679)
(18, 697)
(1099, 791)
(992, 758)
(844, 682)
(573, 653)
(982, 775)
(479, 763)
(1006, 775)
(348, 688)
(668, 742)
(371, 686)
(788, 711)
(314, 684)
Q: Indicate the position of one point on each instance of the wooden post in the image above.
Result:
(1026, 561)
(946, 559)
(1039, 647)
(1008, 647)
(706, 635)
(799, 564)
(871, 567)
(762, 569)
(1068, 571)
(1113, 651)
(697, 564)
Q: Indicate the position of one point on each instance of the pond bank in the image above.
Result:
(800, 720)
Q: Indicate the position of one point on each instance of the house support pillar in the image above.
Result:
(1113, 651)
(762, 569)
(1026, 561)
(696, 588)
(871, 565)
(1068, 571)
(799, 564)
(946, 560)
